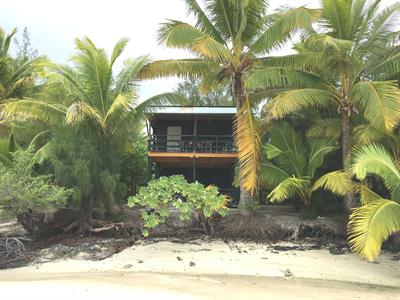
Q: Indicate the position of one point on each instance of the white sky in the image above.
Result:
(54, 24)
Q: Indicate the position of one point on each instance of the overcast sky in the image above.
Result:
(54, 24)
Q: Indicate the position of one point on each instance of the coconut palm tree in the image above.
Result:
(14, 76)
(230, 41)
(290, 165)
(350, 53)
(372, 223)
(98, 106)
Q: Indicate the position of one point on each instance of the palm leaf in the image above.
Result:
(330, 128)
(380, 101)
(30, 109)
(214, 50)
(318, 149)
(203, 22)
(365, 134)
(367, 195)
(338, 182)
(295, 100)
(177, 34)
(283, 28)
(371, 224)
(248, 142)
(183, 68)
(375, 160)
(289, 188)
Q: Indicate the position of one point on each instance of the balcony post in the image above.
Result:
(194, 168)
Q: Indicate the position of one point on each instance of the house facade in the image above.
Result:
(196, 142)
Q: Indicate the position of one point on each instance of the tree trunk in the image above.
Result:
(245, 200)
(85, 213)
(349, 198)
(109, 205)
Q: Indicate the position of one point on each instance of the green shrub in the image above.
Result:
(190, 199)
(22, 192)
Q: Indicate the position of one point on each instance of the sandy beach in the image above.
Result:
(209, 270)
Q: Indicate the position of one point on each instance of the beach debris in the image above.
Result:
(179, 258)
(192, 264)
(336, 250)
(128, 266)
(139, 261)
(288, 273)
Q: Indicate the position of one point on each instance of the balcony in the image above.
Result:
(192, 144)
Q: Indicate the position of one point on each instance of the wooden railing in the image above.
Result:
(192, 143)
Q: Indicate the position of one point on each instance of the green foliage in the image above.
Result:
(372, 223)
(23, 191)
(290, 164)
(161, 195)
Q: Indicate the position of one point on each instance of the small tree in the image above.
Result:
(190, 199)
(22, 191)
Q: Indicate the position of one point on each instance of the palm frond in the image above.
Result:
(248, 142)
(160, 100)
(289, 188)
(318, 149)
(380, 101)
(375, 160)
(365, 134)
(271, 175)
(336, 17)
(203, 22)
(295, 100)
(330, 128)
(126, 79)
(30, 109)
(337, 182)
(214, 50)
(281, 78)
(118, 49)
(177, 34)
(121, 102)
(367, 195)
(182, 68)
(283, 28)
(371, 224)
(387, 67)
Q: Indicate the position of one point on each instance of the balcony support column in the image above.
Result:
(194, 168)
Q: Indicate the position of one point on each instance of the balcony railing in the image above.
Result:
(192, 143)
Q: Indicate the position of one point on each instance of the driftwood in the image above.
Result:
(12, 250)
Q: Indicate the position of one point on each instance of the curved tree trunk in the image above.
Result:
(349, 198)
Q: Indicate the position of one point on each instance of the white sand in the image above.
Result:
(220, 272)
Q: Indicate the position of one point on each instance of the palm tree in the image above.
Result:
(372, 223)
(100, 107)
(229, 41)
(350, 54)
(13, 75)
(290, 167)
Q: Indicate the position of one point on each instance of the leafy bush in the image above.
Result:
(22, 192)
(190, 199)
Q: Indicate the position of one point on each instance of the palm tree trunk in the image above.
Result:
(349, 198)
(245, 200)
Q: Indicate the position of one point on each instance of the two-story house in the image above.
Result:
(196, 142)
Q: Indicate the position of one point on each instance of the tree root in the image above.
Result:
(95, 226)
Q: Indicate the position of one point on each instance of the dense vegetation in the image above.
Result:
(323, 120)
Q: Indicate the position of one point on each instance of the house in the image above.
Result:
(196, 142)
